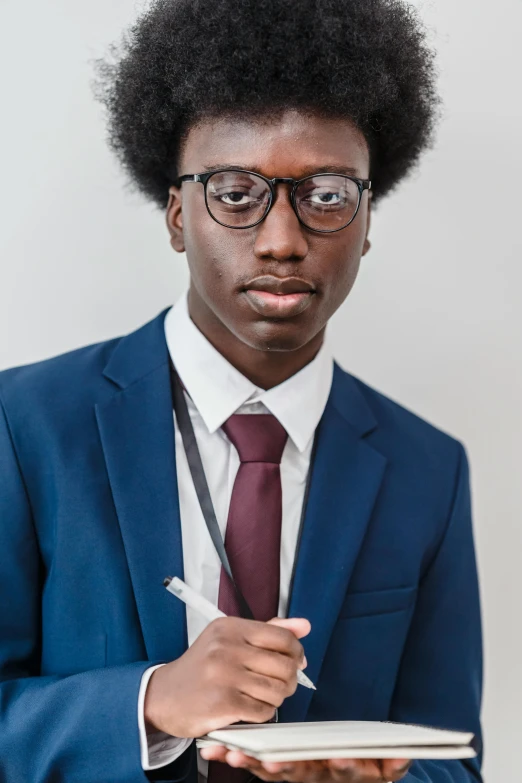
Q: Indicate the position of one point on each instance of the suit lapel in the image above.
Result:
(137, 433)
(346, 477)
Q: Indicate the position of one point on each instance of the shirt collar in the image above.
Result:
(217, 389)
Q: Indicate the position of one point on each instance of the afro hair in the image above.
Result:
(185, 60)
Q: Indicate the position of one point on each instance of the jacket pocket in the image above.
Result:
(377, 602)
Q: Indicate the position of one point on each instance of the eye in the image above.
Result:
(325, 197)
(234, 198)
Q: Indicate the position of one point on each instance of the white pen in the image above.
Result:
(196, 601)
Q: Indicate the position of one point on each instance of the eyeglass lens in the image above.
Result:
(326, 202)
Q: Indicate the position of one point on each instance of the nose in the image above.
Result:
(281, 236)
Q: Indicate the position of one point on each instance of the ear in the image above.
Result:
(174, 219)
(367, 244)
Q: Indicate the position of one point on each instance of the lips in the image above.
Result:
(280, 285)
(276, 297)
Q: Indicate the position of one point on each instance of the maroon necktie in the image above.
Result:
(253, 534)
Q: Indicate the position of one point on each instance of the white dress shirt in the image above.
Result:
(216, 390)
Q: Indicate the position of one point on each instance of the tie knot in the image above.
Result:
(258, 437)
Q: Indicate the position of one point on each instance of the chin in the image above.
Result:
(276, 336)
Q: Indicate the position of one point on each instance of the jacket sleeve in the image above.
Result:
(80, 728)
(440, 679)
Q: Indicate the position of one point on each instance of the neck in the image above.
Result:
(264, 368)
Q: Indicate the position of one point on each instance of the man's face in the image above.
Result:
(228, 266)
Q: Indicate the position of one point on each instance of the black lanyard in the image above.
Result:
(201, 486)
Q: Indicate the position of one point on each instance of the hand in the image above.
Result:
(236, 670)
(339, 770)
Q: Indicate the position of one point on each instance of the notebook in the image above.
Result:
(341, 739)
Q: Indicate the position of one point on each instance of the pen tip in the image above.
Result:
(167, 581)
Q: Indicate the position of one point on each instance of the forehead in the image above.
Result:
(284, 145)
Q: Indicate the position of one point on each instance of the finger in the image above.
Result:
(342, 764)
(395, 769)
(346, 771)
(295, 772)
(284, 770)
(299, 626)
(214, 752)
(270, 664)
(254, 710)
(270, 636)
(236, 758)
(314, 771)
(359, 769)
(275, 767)
(266, 689)
(233, 758)
(262, 774)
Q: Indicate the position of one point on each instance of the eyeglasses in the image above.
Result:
(237, 198)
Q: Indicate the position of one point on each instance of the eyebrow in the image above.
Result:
(307, 172)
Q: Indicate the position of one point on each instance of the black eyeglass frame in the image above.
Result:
(362, 185)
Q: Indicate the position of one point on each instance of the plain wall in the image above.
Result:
(434, 320)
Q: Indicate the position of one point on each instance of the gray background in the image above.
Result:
(434, 320)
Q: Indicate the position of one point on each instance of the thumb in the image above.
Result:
(299, 626)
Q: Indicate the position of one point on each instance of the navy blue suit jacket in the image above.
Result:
(89, 527)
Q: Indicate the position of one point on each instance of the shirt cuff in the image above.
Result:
(157, 748)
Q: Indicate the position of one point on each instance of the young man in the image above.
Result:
(265, 131)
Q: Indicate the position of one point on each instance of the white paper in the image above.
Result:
(341, 739)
